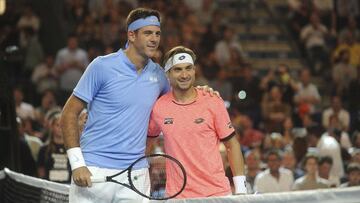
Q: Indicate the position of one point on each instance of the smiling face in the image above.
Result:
(146, 40)
(182, 76)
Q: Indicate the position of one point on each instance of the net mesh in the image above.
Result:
(15, 187)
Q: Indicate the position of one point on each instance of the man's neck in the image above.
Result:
(138, 60)
(185, 96)
(311, 176)
(275, 174)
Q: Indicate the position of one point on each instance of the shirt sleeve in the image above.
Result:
(154, 129)
(222, 121)
(90, 82)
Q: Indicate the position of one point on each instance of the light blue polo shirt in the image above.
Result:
(119, 102)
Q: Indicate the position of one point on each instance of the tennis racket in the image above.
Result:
(166, 180)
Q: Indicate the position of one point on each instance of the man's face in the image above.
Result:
(146, 40)
(273, 162)
(311, 166)
(182, 76)
(354, 178)
(324, 169)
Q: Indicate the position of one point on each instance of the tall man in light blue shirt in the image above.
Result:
(119, 91)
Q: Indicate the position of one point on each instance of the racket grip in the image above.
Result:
(98, 179)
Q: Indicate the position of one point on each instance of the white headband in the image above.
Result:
(178, 59)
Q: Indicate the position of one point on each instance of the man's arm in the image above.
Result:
(70, 129)
(236, 161)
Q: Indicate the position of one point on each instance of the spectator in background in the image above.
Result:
(223, 47)
(325, 167)
(310, 180)
(350, 28)
(289, 162)
(300, 143)
(28, 19)
(343, 72)
(308, 95)
(44, 76)
(355, 140)
(23, 110)
(352, 46)
(344, 9)
(250, 137)
(53, 163)
(253, 161)
(287, 132)
(274, 110)
(355, 156)
(313, 36)
(327, 146)
(34, 54)
(338, 111)
(335, 130)
(353, 175)
(33, 142)
(27, 163)
(274, 178)
(48, 102)
(70, 63)
(221, 84)
(200, 79)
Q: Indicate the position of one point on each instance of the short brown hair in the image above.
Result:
(141, 13)
(176, 50)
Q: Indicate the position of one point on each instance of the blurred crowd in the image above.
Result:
(289, 128)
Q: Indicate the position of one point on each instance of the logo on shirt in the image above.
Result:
(168, 121)
(229, 125)
(153, 79)
(199, 120)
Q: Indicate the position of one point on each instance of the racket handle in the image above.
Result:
(98, 179)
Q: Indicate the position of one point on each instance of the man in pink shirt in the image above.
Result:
(193, 125)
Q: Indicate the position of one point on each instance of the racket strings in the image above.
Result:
(165, 178)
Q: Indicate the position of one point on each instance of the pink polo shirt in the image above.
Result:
(192, 133)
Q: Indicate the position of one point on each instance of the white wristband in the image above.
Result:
(240, 184)
(76, 158)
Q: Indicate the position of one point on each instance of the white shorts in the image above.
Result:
(108, 191)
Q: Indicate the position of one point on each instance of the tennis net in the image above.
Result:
(16, 187)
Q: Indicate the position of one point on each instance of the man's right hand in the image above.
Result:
(81, 176)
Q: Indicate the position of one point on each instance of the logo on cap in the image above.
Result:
(181, 57)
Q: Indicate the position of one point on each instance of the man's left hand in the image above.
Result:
(208, 90)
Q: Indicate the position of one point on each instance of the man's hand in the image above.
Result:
(81, 176)
(206, 89)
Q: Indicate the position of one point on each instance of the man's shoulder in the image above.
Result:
(164, 99)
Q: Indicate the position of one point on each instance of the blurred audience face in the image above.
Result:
(72, 43)
(56, 132)
(252, 161)
(305, 77)
(354, 178)
(289, 161)
(48, 100)
(275, 93)
(311, 166)
(324, 170)
(273, 162)
(18, 96)
(336, 103)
